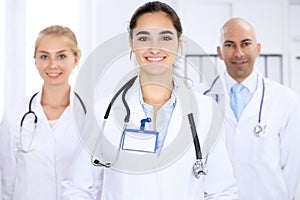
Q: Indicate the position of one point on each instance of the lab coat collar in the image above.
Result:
(253, 106)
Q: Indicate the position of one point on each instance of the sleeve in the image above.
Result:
(219, 183)
(290, 147)
(7, 159)
(84, 180)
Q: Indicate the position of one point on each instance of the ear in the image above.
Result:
(35, 63)
(220, 54)
(180, 42)
(258, 49)
(76, 60)
(130, 42)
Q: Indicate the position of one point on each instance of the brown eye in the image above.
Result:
(143, 39)
(166, 38)
(228, 45)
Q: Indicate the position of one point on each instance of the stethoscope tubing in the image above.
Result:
(258, 127)
(199, 167)
(261, 101)
(30, 111)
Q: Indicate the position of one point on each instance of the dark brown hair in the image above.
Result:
(152, 7)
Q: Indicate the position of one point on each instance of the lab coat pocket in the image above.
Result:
(266, 145)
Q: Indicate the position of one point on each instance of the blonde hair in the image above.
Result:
(59, 31)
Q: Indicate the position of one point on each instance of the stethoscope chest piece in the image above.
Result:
(199, 168)
(259, 130)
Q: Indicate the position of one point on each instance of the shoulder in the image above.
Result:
(280, 92)
(15, 110)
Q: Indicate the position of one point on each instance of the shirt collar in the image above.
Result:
(250, 82)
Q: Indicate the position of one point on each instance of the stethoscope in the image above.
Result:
(199, 167)
(259, 129)
(30, 111)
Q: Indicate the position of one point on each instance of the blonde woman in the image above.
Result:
(38, 138)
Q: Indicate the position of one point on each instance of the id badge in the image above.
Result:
(139, 140)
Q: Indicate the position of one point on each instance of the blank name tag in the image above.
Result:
(138, 140)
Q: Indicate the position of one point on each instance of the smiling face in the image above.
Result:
(239, 48)
(154, 41)
(54, 59)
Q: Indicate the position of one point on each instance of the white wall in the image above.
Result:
(294, 45)
(202, 21)
(275, 22)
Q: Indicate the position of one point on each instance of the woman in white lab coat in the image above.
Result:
(266, 164)
(155, 37)
(34, 157)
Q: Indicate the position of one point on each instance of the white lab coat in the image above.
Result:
(37, 174)
(266, 167)
(175, 181)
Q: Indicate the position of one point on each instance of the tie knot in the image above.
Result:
(237, 88)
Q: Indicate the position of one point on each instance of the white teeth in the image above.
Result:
(53, 74)
(155, 59)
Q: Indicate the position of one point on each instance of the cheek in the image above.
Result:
(172, 59)
(228, 53)
(40, 67)
(139, 54)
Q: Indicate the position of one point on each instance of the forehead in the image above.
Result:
(155, 20)
(53, 41)
(237, 33)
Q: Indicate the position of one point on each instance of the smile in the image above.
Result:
(155, 59)
(54, 74)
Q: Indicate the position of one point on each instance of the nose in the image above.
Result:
(154, 51)
(154, 47)
(53, 63)
(238, 52)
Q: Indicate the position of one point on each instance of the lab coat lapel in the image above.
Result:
(251, 109)
(38, 109)
(174, 124)
(137, 112)
(253, 106)
(228, 111)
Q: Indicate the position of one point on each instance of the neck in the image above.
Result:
(156, 89)
(56, 96)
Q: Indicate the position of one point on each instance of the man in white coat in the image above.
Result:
(265, 158)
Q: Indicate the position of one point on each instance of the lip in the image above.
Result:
(239, 63)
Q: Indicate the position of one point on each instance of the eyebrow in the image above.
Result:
(243, 41)
(142, 33)
(61, 51)
(166, 32)
(148, 33)
(246, 40)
